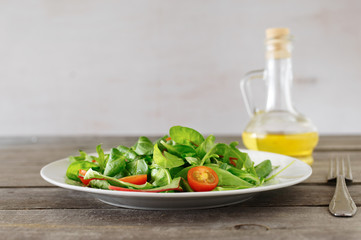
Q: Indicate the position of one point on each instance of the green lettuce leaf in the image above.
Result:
(228, 179)
(137, 167)
(160, 177)
(185, 135)
(165, 159)
(143, 146)
(115, 164)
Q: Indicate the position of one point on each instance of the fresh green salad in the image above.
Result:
(183, 161)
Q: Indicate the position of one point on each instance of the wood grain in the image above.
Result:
(221, 223)
(58, 198)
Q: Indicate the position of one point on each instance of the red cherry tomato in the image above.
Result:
(135, 179)
(202, 179)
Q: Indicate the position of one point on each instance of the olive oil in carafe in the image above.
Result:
(297, 145)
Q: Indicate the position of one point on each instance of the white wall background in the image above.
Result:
(139, 67)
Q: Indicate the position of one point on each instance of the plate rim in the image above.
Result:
(308, 173)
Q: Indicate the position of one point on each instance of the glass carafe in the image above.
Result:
(279, 127)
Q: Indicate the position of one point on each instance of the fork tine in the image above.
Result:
(348, 172)
(342, 162)
(338, 167)
(331, 171)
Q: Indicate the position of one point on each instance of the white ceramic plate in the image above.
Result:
(299, 171)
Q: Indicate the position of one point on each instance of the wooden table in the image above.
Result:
(30, 208)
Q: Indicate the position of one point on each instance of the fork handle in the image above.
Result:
(342, 204)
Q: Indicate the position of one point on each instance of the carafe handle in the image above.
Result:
(246, 91)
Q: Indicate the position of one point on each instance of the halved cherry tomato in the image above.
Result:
(135, 179)
(168, 139)
(202, 178)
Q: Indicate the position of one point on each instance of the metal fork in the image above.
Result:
(341, 204)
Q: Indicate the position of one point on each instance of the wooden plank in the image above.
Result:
(339, 142)
(57, 198)
(222, 223)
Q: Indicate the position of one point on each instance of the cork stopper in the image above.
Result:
(272, 33)
(278, 43)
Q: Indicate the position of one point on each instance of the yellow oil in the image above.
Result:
(295, 145)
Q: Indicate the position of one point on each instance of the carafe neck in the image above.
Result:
(279, 79)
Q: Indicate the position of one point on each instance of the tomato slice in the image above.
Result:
(85, 181)
(135, 179)
(202, 179)
(81, 175)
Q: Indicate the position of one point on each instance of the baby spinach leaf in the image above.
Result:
(223, 151)
(251, 178)
(102, 184)
(248, 164)
(160, 177)
(264, 168)
(205, 146)
(211, 153)
(137, 167)
(147, 158)
(122, 173)
(193, 161)
(244, 161)
(73, 170)
(230, 152)
(143, 146)
(102, 158)
(224, 166)
(115, 164)
(234, 144)
(228, 179)
(185, 135)
(128, 153)
(165, 159)
(174, 184)
(183, 173)
(175, 171)
(179, 150)
(185, 185)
